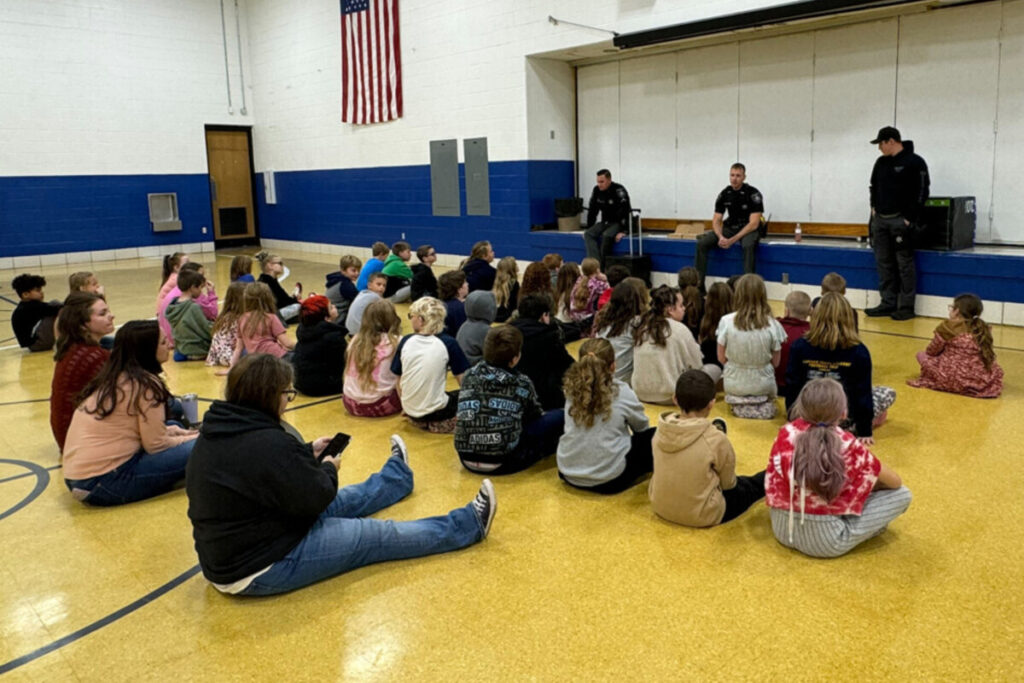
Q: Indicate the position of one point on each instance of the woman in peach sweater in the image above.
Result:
(120, 447)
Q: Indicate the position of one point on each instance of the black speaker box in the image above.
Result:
(639, 266)
(949, 223)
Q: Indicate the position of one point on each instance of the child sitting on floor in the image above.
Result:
(694, 481)
(319, 358)
(84, 281)
(501, 426)
(688, 280)
(717, 304)
(960, 358)
(33, 319)
(260, 330)
(616, 274)
(370, 386)
(453, 289)
(480, 312)
(192, 331)
(842, 494)
(749, 346)
(340, 287)
(794, 322)
(376, 283)
(568, 273)
(422, 361)
(506, 288)
(225, 328)
(589, 287)
(664, 347)
(606, 447)
(618, 321)
(832, 348)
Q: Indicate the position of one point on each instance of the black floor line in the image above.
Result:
(42, 476)
(97, 625)
(314, 403)
(10, 301)
(27, 400)
(28, 474)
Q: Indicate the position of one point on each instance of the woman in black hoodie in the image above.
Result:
(319, 358)
(267, 515)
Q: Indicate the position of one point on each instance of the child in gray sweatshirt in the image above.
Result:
(480, 312)
(606, 447)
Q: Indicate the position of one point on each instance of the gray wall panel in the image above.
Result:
(478, 186)
(444, 177)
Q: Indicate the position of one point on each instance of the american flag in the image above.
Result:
(371, 61)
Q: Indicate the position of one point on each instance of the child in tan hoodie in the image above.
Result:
(695, 482)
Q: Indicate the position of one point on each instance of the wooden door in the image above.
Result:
(229, 159)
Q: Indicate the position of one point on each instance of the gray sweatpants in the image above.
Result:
(835, 535)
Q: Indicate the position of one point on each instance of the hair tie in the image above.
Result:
(975, 317)
(591, 353)
(823, 424)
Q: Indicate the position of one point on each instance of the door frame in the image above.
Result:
(238, 241)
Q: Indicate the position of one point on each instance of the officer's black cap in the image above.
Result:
(887, 133)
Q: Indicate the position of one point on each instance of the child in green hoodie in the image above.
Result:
(192, 331)
(694, 481)
(396, 267)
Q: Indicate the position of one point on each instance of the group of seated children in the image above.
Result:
(522, 397)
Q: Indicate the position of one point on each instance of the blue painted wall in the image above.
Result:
(57, 214)
(360, 206)
(54, 214)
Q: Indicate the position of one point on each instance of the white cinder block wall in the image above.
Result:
(114, 87)
(464, 75)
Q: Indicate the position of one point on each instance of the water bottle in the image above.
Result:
(798, 233)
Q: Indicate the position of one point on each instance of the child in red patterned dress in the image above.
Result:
(960, 358)
(843, 493)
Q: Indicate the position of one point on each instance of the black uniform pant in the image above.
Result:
(599, 240)
(892, 240)
(709, 241)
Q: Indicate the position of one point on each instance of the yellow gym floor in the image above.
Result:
(569, 585)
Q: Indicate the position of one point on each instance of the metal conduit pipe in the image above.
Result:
(224, 42)
(241, 69)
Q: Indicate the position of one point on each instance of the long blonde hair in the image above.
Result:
(752, 309)
(581, 292)
(379, 322)
(266, 258)
(833, 325)
(233, 309)
(508, 275)
(588, 384)
(258, 303)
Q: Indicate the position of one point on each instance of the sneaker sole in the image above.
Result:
(488, 488)
(397, 440)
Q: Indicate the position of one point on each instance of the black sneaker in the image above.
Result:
(903, 314)
(879, 311)
(720, 425)
(485, 505)
(398, 449)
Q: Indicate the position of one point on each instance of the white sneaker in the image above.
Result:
(398, 449)
(485, 505)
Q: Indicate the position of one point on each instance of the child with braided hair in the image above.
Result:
(960, 358)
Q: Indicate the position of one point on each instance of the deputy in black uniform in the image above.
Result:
(612, 201)
(899, 188)
(744, 205)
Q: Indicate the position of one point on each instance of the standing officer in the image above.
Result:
(899, 188)
(612, 201)
(744, 204)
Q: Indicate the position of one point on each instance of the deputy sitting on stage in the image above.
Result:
(745, 206)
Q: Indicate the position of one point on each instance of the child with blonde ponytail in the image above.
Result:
(828, 479)
(606, 447)
(960, 358)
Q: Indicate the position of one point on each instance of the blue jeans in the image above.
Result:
(342, 538)
(145, 475)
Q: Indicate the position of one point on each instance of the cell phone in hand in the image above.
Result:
(336, 446)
